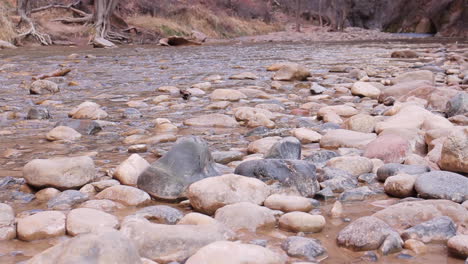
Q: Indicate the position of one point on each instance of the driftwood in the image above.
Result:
(57, 73)
(177, 41)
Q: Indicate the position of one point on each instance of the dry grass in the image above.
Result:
(7, 30)
(203, 20)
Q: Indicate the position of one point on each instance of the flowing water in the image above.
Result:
(113, 77)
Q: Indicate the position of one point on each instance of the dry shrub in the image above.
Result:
(7, 30)
(182, 21)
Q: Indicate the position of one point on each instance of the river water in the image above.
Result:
(113, 77)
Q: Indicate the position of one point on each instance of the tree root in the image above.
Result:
(43, 38)
(71, 20)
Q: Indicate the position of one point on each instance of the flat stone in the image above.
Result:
(288, 203)
(66, 200)
(61, 173)
(245, 216)
(113, 247)
(210, 194)
(442, 185)
(212, 120)
(437, 229)
(85, 220)
(45, 224)
(233, 253)
(301, 222)
(124, 194)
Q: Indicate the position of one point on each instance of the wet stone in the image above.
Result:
(392, 169)
(85, 127)
(296, 174)
(357, 194)
(438, 229)
(132, 113)
(303, 248)
(286, 148)
(320, 157)
(38, 112)
(161, 214)
(66, 200)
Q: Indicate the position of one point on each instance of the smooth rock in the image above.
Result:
(130, 169)
(437, 229)
(400, 185)
(288, 203)
(458, 105)
(442, 185)
(361, 123)
(63, 133)
(227, 95)
(166, 243)
(212, 193)
(355, 165)
(88, 110)
(306, 135)
(297, 175)
(245, 216)
(160, 214)
(212, 120)
(7, 222)
(458, 245)
(43, 87)
(125, 194)
(423, 75)
(365, 89)
(45, 224)
(61, 173)
(285, 148)
(262, 145)
(108, 246)
(388, 148)
(392, 169)
(291, 72)
(188, 161)
(370, 233)
(301, 222)
(234, 253)
(66, 200)
(340, 138)
(85, 220)
(454, 155)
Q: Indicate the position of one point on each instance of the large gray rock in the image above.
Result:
(61, 173)
(165, 243)
(188, 161)
(295, 174)
(438, 229)
(458, 105)
(303, 248)
(85, 127)
(370, 233)
(320, 157)
(442, 185)
(104, 247)
(392, 169)
(38, 112)
(286, 148)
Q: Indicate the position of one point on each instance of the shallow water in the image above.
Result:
(133, 73)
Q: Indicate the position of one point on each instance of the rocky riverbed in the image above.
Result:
(256, 153)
